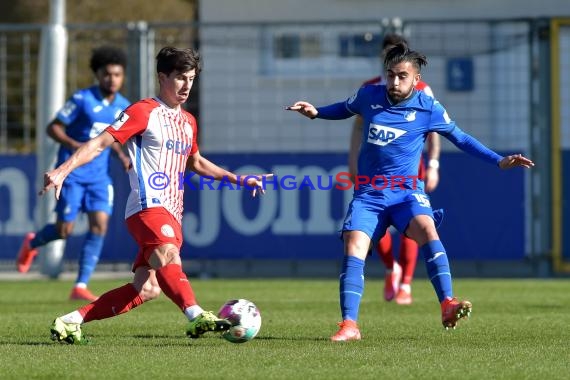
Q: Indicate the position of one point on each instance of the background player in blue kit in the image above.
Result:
(397, 119)
(89, 189)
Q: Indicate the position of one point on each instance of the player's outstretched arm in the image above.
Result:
(304, 108)
(514, 161)
(84, 154)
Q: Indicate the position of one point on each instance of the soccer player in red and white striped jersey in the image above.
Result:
(161, 138)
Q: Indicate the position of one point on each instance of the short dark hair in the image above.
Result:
(171, 59)
(400, 53)
(107, 55)
(391, 39)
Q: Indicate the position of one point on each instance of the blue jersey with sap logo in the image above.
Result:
(393, 135)
(86, 114)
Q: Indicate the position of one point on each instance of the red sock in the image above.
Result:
(114, 302)
(384, 248)
(408, 258)
(176, 286)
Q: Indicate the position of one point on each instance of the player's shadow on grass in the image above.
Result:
(153, 336)
(292, 338)
(216, 336)
(28, 343)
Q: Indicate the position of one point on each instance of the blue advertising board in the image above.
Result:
(295, 219)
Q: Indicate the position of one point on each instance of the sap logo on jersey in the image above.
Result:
(381, 135)
(178, 147)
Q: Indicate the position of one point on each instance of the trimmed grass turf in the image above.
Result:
(520, 329)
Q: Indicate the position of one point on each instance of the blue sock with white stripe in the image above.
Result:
(89, 256)
(437, 267)
(45, 235)
(351, 287)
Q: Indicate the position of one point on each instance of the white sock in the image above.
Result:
(406, 288)
(81, 285)
(193, 311)
(73, 317)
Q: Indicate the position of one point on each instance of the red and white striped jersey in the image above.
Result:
(159, 140)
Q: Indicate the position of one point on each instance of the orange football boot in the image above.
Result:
(453, 310)
(82, 294)
(348, 331)
(26, 254)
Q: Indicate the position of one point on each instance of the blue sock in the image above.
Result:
(45, 235)
(437, 267)
(351, 287)
(89, 256)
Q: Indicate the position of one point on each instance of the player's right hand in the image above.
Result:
(304, 108)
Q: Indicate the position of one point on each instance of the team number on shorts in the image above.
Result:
(422, 200)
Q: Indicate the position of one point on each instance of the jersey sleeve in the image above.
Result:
(71, 109)
(132, 121)
(471, 145)
(354, 103)
(341, 110)
(440, 121)
(194, 125)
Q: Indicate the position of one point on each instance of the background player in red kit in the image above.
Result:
(161, 138)
(399, 274)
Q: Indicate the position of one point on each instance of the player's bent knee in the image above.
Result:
(149, 291)
(64, 229)
(165, 255)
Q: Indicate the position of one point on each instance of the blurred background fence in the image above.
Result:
(503, 81)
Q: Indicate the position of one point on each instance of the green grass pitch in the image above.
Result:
(519, 329)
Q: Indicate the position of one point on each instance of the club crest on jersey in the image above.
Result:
(410, 116)
(381, 135)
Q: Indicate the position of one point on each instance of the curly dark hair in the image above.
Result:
(107, 55)
(400, 53)
(171, 59)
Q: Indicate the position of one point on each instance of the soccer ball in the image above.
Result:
(245, 319)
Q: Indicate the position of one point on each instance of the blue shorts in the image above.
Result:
(85, 197)
(374, 214)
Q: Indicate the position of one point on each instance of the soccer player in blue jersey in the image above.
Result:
(397, 119)
(399, 273)
(89, 189)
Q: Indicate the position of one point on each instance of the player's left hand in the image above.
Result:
(126, 162)
(515, 160)
(255, 182)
